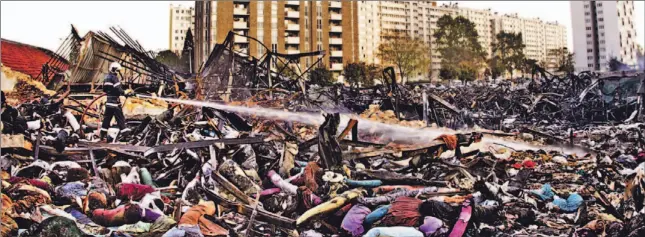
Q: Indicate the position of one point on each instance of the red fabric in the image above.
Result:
(403, 212)
(517, 166)
(123, 215)
(450, 140)
(313, 173)
(133, 192)
(25, 58)
(529, 164)
(34, 182)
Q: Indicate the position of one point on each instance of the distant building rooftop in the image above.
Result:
(26, 58)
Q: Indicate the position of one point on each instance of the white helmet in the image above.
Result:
(114, 66)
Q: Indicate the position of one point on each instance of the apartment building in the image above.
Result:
(181, 19)
(482, 18)
(539, 37)
(287, 27)
(378, 19)
(603, 30)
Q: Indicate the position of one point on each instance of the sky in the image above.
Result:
(47, 23)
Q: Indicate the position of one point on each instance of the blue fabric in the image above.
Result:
(545, 193)
(571, 204)
(71, 190)
(80, 217)
(301, 163)
(364, 183)
(376, 215)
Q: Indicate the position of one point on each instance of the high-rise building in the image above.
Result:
(379, 20)
(181, 19)
(538, 36)
(603, 30)
(287, 27)
(482, 18)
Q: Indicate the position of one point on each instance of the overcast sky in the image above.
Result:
(46, 23)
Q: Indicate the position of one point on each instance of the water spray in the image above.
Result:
(391, 132)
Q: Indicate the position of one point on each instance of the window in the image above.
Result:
(182, 11)
(177, 11)
(599, 4)
(274, 47)
(587, 13)
(600, 19)
(601, 27)
(176, 38)
(590, 58)
(588, 35)
(589, 50)
(589, 65)
(588, 28)
(587, 20)
(319, 23)
(176, 31)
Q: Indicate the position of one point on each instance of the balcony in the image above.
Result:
(337, 53)
(240, 11)
(293, 40)
(240, 25)
(292, 3)
(336, 41)
(335, 16)
(335, 4)
(293, 51)
(337, 29)
(293, 27)
(241, 39)
(293, 14)
(336, 67)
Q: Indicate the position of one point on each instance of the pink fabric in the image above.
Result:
(270, 191)
(459, 228)
(133, 192)
(353, 221)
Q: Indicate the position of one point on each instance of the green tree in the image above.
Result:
(321, 76)
(187, 52)
(354, 73)
(373, 73)
(288, 71)
(527, 66)
(169, 59)
(496, 67)
(509, 49)
(408, 54)
(563, 59)
(361, 73)
(462, 54)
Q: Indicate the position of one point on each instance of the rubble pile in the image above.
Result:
(550, 157)
(207, 172)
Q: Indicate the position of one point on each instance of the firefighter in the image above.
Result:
(113, 88)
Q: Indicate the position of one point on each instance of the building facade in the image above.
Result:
(603, 30)
(539, 37)
(287, 27)
(418, 19)
(181, 19)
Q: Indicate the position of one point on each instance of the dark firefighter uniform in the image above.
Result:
(112, 87)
